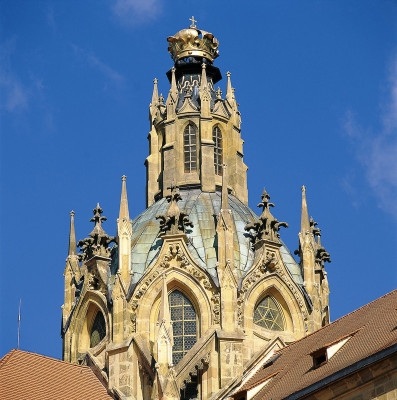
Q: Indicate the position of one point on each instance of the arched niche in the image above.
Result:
(147, 312)
(84, 319)
(274, 287)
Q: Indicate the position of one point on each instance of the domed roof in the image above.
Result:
(203, 209)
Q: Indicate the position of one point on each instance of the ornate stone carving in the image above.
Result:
(270, 260)
(321, 254)
(134, 306)
(267, 226)
(253, 277)
(95, 282)
(200, 365)
(174, 221)
(174, 252)
(216, 307)
(294, 291)
(313, 237)
(270, 264)
(97, 244)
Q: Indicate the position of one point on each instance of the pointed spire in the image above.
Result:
(172, 97)
(203, 77)
(174, 89)
(72, 236)
(124, 201)
(305, 223)
(205, 94)
(155, 96)
(229, 92)
(225, 197)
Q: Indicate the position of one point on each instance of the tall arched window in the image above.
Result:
(98, 329)
(184, 325)
(218, 156)
(268, 315)
(190, 148)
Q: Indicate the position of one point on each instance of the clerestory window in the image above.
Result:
(190, 148)
(267, 314)
(218, 155)
(184, 325)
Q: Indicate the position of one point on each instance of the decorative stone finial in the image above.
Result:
(72, 236)
(124, 213)
(321, 254)
(174, 221)
(310, 230)
(229, 92)
(97, 243)
(267, 227)
(155, 96)
(97, 218)
(305, 224)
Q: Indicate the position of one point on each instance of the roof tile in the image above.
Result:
(25, 375)
(372, 327)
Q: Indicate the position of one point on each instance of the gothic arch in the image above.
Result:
(274, 286)
(176, 279)
(83, 319)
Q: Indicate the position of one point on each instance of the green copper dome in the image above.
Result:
(203, 209)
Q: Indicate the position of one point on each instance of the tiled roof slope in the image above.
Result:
(372, 329)
(25, 375)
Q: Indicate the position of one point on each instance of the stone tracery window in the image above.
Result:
(98, 329)
(218, 155)
(267, 314)
(184, 325)
(190, 148)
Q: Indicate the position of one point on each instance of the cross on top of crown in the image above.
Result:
(193, 25)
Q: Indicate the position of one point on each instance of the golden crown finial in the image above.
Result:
(193, 42)
(193, 25)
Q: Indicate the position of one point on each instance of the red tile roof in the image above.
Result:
(373, 329)
(25, 375)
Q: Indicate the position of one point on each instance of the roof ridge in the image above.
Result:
(51, 358)
(339, 319)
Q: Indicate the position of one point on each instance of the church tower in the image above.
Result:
(191, 297)
(195, 131)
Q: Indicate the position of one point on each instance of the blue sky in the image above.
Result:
(317, 84)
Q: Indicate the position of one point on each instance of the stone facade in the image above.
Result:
(122, 319)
